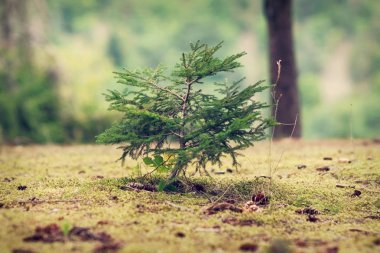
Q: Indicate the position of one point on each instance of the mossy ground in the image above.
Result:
(79, 185)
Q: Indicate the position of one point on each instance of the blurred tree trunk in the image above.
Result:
(28, 99)
(15, 39)
(279, 19)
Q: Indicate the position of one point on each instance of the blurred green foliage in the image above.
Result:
(86, 40)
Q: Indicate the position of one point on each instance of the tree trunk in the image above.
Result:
(279, 19)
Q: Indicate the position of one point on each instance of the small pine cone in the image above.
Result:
(251, 207)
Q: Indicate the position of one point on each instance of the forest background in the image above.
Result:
(57, 58)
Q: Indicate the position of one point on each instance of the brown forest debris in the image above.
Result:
(356, 193)
(220, 207)
(138, 186)
(345, 186)
(48, 234)
(251, 247)
(307, 210)
(312, 218)
(260, 199)
(107, 247)
(53, 233)
(324, 168)
(251, 207)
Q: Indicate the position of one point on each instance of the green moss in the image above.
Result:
(79, 186)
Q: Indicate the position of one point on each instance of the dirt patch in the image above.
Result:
(48, 234)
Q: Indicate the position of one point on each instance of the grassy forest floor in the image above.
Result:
(83, 201)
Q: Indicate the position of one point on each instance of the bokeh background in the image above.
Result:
(57, 58)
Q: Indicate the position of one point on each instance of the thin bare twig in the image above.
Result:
(48, 201)
(165, 89)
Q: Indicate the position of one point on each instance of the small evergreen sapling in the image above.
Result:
(170, 116)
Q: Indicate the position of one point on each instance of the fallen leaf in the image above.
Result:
(260, 199)
(325, 168)
(103, 222)
(307, 210)
(180, 234)
(22, 187)
(251, 247)
(48, 234)
(312, 218)
(356, 193)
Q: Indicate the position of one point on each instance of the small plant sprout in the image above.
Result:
(170, 122)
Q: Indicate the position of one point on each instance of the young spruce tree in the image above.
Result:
(160, 109)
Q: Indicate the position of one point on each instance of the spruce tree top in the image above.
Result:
(169, 114)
